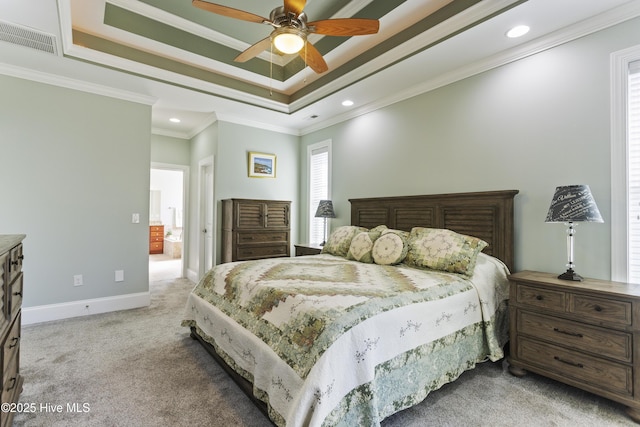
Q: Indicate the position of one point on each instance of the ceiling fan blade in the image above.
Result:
(254, 50)
(313, 58)
(296, 6)
(345, 26)
(229, 11)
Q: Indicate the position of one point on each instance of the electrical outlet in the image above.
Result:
(77, 280)
(119, 275)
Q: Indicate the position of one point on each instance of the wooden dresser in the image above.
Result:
(586, 334)
(254, 229)
(156, 239)
(11, 281)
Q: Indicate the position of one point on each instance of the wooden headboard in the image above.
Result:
(487, 215)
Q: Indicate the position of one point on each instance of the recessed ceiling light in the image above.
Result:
(347, 103)
(174, 120)
(518, 31)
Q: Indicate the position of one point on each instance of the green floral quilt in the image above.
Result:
(329, 341)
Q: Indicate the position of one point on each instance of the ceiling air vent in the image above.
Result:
(25, 36)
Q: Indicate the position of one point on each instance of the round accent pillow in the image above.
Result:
(362, 245)
(389, 249)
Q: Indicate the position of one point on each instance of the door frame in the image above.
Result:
(185, 209)
(202, 199)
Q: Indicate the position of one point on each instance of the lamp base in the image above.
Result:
(570, 275)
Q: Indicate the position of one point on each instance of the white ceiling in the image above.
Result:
(397, 74)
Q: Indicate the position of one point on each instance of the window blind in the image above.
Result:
(318, 190)
(633, 156)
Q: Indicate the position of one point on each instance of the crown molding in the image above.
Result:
(581, 29)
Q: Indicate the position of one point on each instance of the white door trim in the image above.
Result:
(185, 209)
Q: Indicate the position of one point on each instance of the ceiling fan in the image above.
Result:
(291, 30)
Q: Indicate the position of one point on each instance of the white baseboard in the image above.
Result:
(192, 275)
(49, 312)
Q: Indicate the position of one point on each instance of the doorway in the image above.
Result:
(167, 221)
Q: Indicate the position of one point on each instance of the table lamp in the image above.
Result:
(572, 203)
(325, 210)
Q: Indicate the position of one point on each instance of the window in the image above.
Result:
(625, 166)
(633, 154)
(319, 167)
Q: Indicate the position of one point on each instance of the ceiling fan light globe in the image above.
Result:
(288, 42)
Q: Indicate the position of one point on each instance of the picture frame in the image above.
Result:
(262, 165)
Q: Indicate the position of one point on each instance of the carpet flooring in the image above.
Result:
(141, 368)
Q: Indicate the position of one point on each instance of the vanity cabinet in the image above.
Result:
(11, 284)
(156, 239)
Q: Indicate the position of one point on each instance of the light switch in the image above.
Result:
(119, 275)
(135, 218)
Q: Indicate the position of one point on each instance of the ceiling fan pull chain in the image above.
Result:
(271, 70)
(305, 61)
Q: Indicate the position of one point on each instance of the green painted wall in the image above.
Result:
(532, 125)
(75, 166)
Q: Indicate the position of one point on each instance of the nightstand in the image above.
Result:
(307, 249)
(585, 334)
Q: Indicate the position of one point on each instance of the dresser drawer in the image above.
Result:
(593, 371)
(11, 344)
(270, 237)
(254, 252)
(601, 309)
(155, 247)
(539, 297)
(16, 295)
(11, 381)
(603, 342)
(15, 262)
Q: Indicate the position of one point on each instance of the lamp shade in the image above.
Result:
(573, 203)
(325, 209)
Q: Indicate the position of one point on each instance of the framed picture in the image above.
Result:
(262, 165)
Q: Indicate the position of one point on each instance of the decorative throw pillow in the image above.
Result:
(390, 248)
(340, 240)
(444, 250)
(362, 245)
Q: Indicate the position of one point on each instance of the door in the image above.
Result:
(207, 218)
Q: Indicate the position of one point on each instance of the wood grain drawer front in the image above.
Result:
(601, 309)
(156, 228)
(540, 297)
(599, 373)
(153, 238)
(280, 236)
(11, 344)
(597, 341)
(255, 252)
(11, 380)
(16, 295)
(15, 261)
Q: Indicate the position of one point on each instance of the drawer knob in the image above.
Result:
(567, 362)
(573, 334)
(597, 308)
(539, 297)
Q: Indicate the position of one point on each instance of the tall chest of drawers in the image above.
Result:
(586, 334)
(255, 229)
(11, 282)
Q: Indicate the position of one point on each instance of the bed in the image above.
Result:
(362, 331)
